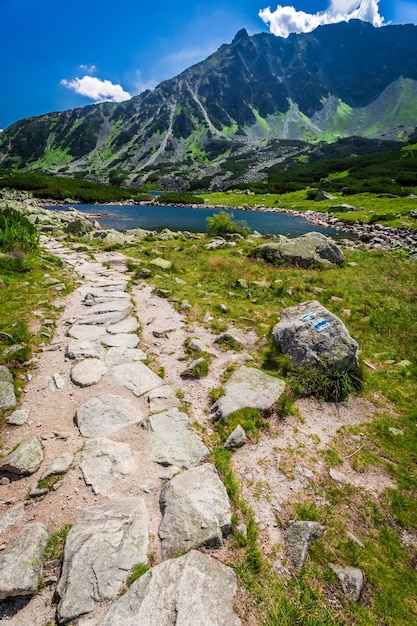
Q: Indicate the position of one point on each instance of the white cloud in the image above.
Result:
(286, 19)
(97, 89)
(90, 69)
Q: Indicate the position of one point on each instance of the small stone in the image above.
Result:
(236, 439)
(59, 381)
(19, 417)
(339, 477)
(351, 579)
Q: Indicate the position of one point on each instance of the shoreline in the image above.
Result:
(374, 236)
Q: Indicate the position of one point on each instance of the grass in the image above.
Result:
(55, 547)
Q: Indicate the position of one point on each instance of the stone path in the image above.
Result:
(117, 459)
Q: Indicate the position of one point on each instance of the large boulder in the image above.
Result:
(313, 337)
(196, 511)
(192, 589)
(304, 251)
(100, 550)
(247, 388)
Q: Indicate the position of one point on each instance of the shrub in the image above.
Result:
(17, 234)
(223, 224)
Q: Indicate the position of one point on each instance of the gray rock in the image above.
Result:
(196, 345)
(121, 340)
(5, 374)
(338, 476)
(88, 372)
(86, 333)
(111, 306)
(60, 465)
(137, 377)
(231, 336)
(172, 440)
(162, 399)
(324, 195)
(18, 418)
(341, 208)
(119, 356)
(303, 251)
(315, 338)
(195, 510)
(299, 536)
(104, 414)
(79, 227)
(190, 590)
(103, 319)
(236, 439)
(104, 462)
(351, 579)
(162, 264)
(11, 517)
(21, 562)
(193, 370)
(100, 550)
(128, 325)
(7, 393)
(247, 388)
(83, 349)
(25, 459)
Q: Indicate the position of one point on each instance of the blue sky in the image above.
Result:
(61, 54)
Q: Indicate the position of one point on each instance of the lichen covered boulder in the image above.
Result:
(313, 337)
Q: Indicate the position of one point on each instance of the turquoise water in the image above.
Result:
(194, 219)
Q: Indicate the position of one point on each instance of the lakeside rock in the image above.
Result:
(313, 337)
(304, 251)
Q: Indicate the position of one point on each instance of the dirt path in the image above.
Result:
(272, 472)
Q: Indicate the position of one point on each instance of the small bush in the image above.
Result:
(224, 224)
(17, 234)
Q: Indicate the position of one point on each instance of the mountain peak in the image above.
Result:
(241, 35)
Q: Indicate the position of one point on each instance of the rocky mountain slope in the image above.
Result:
(249, 105)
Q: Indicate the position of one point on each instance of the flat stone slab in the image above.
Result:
(121, 340)
(104, 462)
(60, 465)
(162, 399)
(137, 377)
(314, 337)
(103, 293)
(25, 459)
(110, 306)
(119, 356)
(21, 562)
(18, 418)
(83, 349)
(104, 414)
(100, 550)
(128, 325)
(103, 319)
(190, 590)
(196, 511)
(88, 372)
(248, 388)
(85, 333)
(172, 440)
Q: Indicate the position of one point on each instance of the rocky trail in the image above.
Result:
(102, 442)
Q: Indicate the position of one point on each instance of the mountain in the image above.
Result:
(256, 102)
